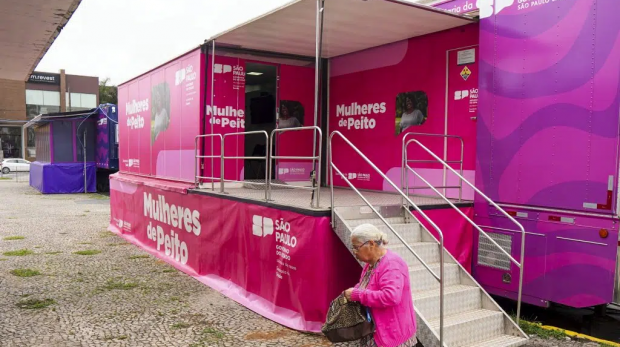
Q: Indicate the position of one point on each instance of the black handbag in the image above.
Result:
(347, 321)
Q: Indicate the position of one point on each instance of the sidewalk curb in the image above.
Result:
(580, 336)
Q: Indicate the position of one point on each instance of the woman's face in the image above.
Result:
(409, 104)
(363, 251)
(284, 112)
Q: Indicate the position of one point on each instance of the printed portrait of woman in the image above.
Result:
(411, 110)
(160, 109)
(291, 114)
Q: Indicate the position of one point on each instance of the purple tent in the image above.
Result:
(65, 152)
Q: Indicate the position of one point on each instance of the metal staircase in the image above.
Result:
(452, 309)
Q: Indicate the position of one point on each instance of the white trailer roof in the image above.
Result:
(348, 26)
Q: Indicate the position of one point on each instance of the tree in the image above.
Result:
(108, 94)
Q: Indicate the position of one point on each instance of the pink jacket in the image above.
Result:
(388, 295)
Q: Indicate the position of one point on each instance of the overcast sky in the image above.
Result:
(120, 39)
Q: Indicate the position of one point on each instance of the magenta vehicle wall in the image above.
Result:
(548, 137)
(548, 116)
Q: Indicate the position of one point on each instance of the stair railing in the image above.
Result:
(439, 278)
(405, 184)
(408, 168)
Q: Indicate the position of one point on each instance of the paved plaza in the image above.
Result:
(66, 281)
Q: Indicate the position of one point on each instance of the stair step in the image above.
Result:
(375, 221)
(469, 327)
(422, 280)
(501, 341)
(457, 299)
(427, 251)
(409, 232)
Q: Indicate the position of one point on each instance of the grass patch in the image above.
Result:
(105, 234)
(88, 252)
(207, 336)
(97, 196)
(12, 238)
(87, 211)
(210, 332)
(532, 328)
(180, 325)
(34, 304)
(169, 270)
(85, 243)
(53, 253)
(119, 244)
(18, 253)
(143, 256)
(4, 259)
(119, 285)
(25, 272)
(4, 178)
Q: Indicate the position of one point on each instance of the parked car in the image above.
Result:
(9, 165)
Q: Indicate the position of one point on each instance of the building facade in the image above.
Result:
(42, 93)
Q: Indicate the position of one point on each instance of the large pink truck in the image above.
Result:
(485, 147)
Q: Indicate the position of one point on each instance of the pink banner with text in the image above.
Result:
(283, 265)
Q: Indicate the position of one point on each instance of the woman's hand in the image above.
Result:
(347, 293)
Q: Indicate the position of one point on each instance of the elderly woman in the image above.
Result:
(384, 289)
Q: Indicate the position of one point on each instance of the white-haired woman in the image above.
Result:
(385, 289)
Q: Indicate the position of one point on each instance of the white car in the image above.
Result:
(9, 165)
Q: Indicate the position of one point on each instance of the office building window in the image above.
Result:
(80, 101)
(41, 102)
(11, 141)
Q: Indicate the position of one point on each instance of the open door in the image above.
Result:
(260, 114)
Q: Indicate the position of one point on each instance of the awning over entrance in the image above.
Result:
(348, 26)
(27, 30)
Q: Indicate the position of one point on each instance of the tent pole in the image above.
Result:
(84, 153)
(320, 6)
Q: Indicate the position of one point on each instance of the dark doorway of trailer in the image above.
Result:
(260, 115)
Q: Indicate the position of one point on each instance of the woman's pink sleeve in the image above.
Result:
(391, 283)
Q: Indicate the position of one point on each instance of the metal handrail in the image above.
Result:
(316, 158)
(405, 183)
(196, 157)
(405, 197)
(265, 157)
(514, 261)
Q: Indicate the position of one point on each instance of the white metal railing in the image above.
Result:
(404, 180)
(316, 163)
(198, 161)
(514, 261)
(265, 157)
(439, 278)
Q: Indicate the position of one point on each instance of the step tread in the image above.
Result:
(447, 290)
(375, 222)
(464, 317)
(419, 267)
(501, 341)
(401, 245)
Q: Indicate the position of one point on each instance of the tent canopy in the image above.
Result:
(43, 119)
(348, 26)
